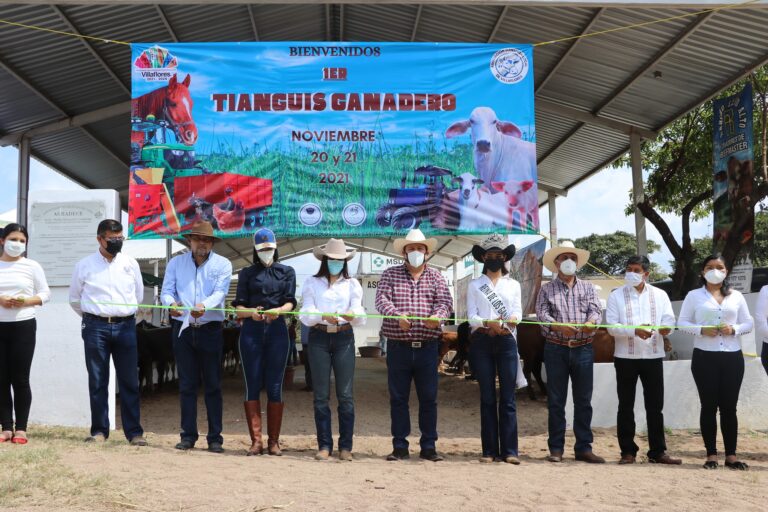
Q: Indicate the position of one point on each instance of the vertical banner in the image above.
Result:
(332, 139)
(526, 269)
(733, 161)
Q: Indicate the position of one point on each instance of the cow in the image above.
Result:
(603, 346)
(530, 346)
(230, 354)
(499, 152)
(157, 343)
(521, 196)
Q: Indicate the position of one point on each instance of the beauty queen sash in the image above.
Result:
(501, 310)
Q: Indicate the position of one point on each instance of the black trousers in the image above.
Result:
(718, 377)
(764, 356)
(17, 346)
(651, 375)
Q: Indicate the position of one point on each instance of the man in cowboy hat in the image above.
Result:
(407, 291)
(568, 351)
(195, 283)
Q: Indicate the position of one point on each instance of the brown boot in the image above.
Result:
(274, 422)
(253, 418)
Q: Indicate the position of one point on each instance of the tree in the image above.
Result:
(679, 162)
(609, 253)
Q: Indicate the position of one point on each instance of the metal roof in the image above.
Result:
(590, 92)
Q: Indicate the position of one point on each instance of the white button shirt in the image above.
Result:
(761, 316)
(479, 308)
(97, 280)
(701, 309)
(637, 312)
(343, 296)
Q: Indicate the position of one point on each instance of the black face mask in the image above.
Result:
(494, 265)
(114, 247)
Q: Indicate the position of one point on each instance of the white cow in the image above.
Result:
(479, 209)
(499, 152)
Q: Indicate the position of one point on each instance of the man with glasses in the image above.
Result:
(195, 286)
(569, 308)
(106, 289)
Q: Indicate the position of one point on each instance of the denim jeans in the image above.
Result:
(333, 351)
(198, 356)
(577, 363)
(492, 355)
(264, 351)
(406, 364)
(102, 340)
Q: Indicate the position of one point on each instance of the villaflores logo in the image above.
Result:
(334, 51)
(156, 64)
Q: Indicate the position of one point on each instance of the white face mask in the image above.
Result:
(14, 248)
(715, 276)
(568, 267)
(416, 258)
(266, 257)
(633, 279)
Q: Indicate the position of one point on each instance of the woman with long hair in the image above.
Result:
(717, 317)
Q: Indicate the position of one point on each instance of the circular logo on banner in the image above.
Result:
(509, 65)
(354, 214)
(310, 214)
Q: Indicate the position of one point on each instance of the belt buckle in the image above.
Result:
(109, 320)
(416, 344)
(332, 328)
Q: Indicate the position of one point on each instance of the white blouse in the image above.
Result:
(761, 316)
(479, 308)
(318, 296)
(23, 277)
(701, 309)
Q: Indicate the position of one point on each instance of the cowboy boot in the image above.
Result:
(274, 422)
(253, 418)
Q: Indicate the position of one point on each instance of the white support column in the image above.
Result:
(638, 192)
(455, 283)
(551, 197)
(22, 201)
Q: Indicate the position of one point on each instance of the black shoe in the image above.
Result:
(185, 444)
(430, 455)
(215, 447)
(399, 454)
(737, 465)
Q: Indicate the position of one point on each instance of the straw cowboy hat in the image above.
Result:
(415, 236)
(202, 228)
(582, 256)
(335, 249)
(495, 241)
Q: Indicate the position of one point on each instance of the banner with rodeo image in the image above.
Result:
(332, 139)
(734, 214)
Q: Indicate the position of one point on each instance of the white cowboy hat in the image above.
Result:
(566, 246)
(415, 236)
(335, 249)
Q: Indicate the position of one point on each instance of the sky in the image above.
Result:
(594, 206)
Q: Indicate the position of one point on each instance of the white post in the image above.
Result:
(552, 218)
(455, 283)
(638, 192)
(22, 201)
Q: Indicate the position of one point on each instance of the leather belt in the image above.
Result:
(570, 343)
(332, 328)
(487, 331)
(109, 319)
(414, 344)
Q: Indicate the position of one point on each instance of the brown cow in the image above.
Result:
(603, 345)
(530, 345)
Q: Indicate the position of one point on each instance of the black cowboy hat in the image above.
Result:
(494, 241)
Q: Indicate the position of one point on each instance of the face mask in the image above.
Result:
(633, 279)
(568, 267)
(335, 267)
(494, 265)
(114, 247)
(266, 257)
(416, 258)
(14, 248)
(715, 276)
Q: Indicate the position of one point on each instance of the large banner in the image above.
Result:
(734, 176)
(526, 268)
(332, 139)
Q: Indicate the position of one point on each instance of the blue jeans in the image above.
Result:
(264, 351)
(102, 340)
(198, 356)
(406, 364)
(577, 363)
(492, 355)
(333, 351)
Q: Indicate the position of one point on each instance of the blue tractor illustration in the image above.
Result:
(407, 207)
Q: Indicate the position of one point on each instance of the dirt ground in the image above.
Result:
(57, 471)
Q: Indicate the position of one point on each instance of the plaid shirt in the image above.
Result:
(398, 294)
(560, 304)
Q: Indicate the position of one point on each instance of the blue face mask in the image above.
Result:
(335, 267)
